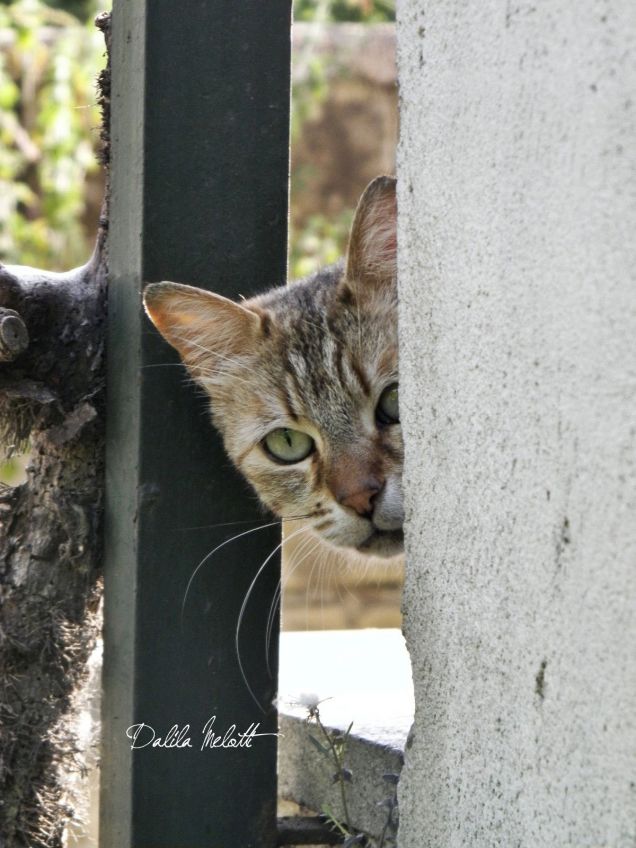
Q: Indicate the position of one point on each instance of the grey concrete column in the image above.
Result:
(517, 199)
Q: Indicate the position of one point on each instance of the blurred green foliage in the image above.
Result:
(50, 55)
(321, 241)
(82, 9)
(308, 95)
(49, 125)
(362, 11)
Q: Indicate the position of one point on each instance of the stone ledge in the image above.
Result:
(360, 676)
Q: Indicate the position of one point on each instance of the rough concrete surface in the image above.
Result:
(517, 266)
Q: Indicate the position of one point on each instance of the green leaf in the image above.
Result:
(318, 745)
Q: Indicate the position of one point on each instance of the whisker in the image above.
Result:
(206, 374)
(349, 592)
(211, 554)
(311, 577)
(213, 526)
(292, 564)
(233, 361)
(321, 584)
(279, 592)
(162, 365)
(334, 576)
(205, 371)
(246, 521)
(338, 586)
(364, 571)
(244, 605)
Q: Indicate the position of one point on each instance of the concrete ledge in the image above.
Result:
(359, 676)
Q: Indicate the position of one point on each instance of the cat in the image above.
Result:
(303, 382)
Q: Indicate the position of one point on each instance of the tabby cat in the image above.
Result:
(304, 383)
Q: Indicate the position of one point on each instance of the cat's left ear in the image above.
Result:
(202, 326)
(372, 252)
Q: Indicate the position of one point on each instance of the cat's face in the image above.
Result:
(303, 383)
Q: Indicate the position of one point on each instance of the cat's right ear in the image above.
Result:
(200, 324)
(372, 251)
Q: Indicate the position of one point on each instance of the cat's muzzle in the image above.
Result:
(386, 536)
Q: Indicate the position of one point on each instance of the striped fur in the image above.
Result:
(313, 356)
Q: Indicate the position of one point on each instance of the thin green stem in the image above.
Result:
(339, 766)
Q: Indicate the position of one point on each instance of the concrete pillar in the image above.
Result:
(517, 266)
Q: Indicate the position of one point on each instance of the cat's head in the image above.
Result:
(303, 383)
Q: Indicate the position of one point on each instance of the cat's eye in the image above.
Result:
(287, 445)
(388, 410)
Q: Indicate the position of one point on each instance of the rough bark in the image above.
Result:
(51, 395)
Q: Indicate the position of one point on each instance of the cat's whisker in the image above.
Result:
(332, 565)
(364, 571)
(348, 590)
(338, 586)
(206, 372)
(300, 549)
(232, 360)
(246, 521)
(321, 593)
(214, 526)
(162, 365)
(227, 542)
(207, 557)
(281, 588)
(309, 581)
(244, 605)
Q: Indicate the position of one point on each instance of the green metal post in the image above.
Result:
(200, 123)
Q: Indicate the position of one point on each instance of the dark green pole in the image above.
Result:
(200, 125)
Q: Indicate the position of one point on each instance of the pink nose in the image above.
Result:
(361, 501)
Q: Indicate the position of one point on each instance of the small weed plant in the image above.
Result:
(332, 744)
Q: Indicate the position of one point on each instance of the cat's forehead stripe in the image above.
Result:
(358, 370)
(288, 402)
(328, 354)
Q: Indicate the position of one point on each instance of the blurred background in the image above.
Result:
(344, 133)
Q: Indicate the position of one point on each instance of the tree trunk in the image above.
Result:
(51, 396)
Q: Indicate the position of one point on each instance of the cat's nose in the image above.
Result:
(362, 501)
(354, 484)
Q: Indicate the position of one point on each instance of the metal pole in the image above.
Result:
(200, 124)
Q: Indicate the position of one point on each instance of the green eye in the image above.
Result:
(388, 409)
(288, 445)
